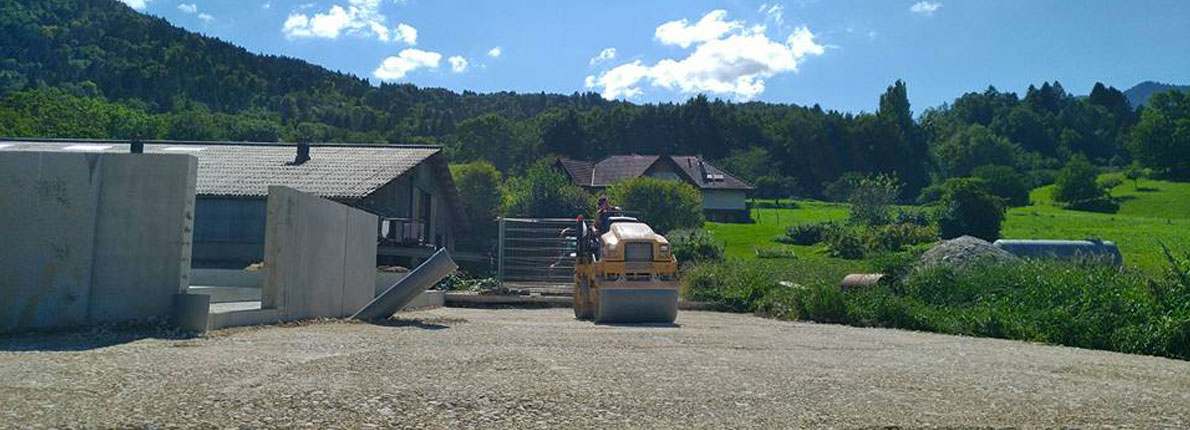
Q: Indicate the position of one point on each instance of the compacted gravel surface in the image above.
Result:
(470, 368)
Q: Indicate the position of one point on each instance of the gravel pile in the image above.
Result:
(527, 369)
(963, 251)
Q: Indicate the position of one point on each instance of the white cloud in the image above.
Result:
(406, 33)
(774, 11)
(728, 58)
(137, 4)
(396, 67)
(925, 8)
(458, 64)
(359, 18)
(495, 52)
(606, 54)
(710, 27)
(188, 8)
(206, 17)
(266, 5)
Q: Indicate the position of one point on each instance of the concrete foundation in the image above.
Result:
(92, 238)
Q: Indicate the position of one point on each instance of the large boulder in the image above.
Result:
(962, 252)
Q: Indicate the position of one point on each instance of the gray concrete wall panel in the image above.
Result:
(320, 256)
(142, 235)
(88, 237)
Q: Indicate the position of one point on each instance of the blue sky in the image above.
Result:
(839, 54)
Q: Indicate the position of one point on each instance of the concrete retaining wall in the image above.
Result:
(319, 256)
(91, 237)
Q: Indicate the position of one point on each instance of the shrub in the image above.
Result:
(919, 217)
(968, 209)
(822, 303)
(931, 194)
(872, 199)
(1077, 182)
(544, 192)
(479, 189)
(664, 205)
(809, 233)
(896, 237)
(846, 243)
(1006, 183)
(460, 281)
(1103, 204)
(694, 246)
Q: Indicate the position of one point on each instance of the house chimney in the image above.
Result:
(137, 147)
(303, 154)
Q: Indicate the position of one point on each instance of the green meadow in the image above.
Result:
(1152, 213)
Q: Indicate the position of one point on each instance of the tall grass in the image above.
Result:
(1060, 303)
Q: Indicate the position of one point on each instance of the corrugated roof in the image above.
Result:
(339, 172)
(605, 172)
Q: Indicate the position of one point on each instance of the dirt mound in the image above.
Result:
(963, 251)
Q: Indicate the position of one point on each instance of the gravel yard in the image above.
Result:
(470, 368)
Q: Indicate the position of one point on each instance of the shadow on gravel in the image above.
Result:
(426, 324)
(641, 325)
(87, 338)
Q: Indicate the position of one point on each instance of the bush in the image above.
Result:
(460, 281)
(664, 205)
(1103, 204)
(846, 243)
(872, 199)
(1077, 182)
(809, 233)
(968, 209)
(479, 189)
(897, 237)
(695, 246)
(1006, 183)
(543, 192)
(919, 217)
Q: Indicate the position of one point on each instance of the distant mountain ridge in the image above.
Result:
(1139, 94)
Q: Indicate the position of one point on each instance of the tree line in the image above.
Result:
(97, 69)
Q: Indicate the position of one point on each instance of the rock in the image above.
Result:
(962, 252)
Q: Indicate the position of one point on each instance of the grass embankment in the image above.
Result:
(1060, 303)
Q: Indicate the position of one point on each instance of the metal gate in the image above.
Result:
(537, 254)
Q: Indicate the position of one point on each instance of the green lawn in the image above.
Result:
(741, 240)
(1158, 213)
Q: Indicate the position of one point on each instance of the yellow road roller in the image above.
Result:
(626, 275)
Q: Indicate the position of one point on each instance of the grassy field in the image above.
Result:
(741, 240)
(1159, 212)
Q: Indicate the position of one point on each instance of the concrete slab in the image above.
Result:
(227, 294)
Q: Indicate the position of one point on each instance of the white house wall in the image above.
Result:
(724, 199)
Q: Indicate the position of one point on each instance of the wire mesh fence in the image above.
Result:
(537, 252)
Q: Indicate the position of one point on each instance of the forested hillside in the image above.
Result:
(1139, 94)
(96, 68)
